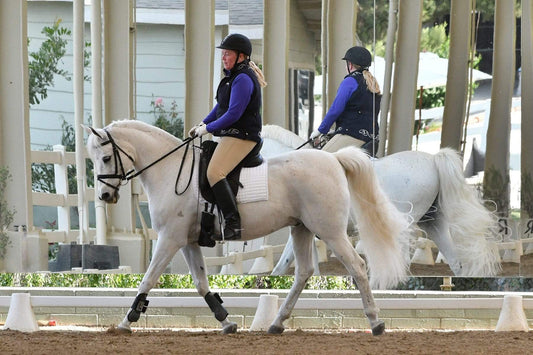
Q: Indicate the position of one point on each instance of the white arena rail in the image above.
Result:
(252, 302)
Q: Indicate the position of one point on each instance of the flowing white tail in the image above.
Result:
(374, 212)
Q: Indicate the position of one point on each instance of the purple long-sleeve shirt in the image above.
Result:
(241, 93)
(345, 91)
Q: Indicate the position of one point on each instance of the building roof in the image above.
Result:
(175, 4)
(241, 12)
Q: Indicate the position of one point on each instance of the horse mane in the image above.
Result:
(144, 127)
(281, 134)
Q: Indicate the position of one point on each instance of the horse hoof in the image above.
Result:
(379, 329)
(274, 329)
(230, 328)
(119, 330)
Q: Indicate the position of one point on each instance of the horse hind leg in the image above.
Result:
(195, 261)
(302, 240)
(438, 231)
(287, 257)
(356, 266)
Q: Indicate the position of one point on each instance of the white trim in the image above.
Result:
(250, 31)
(165, 16)
(252, 302)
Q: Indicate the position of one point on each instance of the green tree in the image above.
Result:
(6, 213)
(45, 63)
(167, 120)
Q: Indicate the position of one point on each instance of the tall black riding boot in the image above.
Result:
(228, 205)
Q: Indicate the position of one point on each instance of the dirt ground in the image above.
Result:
(244, 342)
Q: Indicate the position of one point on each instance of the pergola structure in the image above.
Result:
(332, 23)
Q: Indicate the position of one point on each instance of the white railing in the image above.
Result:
(62, 199)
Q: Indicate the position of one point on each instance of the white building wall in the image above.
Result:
(160, 63)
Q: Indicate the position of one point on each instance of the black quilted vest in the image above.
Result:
(361, 112)
(250, 123)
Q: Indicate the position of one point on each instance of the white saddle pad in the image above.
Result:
(255, 184)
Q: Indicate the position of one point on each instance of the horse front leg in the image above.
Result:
(195, 260)
(302, 242)
(164, 252)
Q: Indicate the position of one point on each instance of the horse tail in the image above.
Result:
(471, 225)
(382, 228)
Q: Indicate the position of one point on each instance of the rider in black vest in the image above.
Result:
(356, 106)
(236, 118)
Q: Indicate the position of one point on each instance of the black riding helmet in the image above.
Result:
(237, 42)
(358, 56)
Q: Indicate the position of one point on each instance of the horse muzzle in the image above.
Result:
(108, 197)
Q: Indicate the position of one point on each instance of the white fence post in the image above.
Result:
(61, 182)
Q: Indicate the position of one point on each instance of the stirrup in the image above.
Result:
(236, 235)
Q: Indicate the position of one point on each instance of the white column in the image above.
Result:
(15, 148)
(324, 54)
(199, 52)
(386, 89)
(78, 44)
(341, 21)
(496, 184)
(96, 85)
(119, 32)
(526, 163)
(457, 80)
(276, 62)
(402, 110)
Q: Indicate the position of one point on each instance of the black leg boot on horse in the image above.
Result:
(227, 203)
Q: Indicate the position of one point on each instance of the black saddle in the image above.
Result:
(251, 160)
(371, 147)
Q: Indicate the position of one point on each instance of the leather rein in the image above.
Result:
(124, 176)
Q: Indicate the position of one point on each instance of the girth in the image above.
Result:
(253, 159)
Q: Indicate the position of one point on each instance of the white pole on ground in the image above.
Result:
(20, 315)
(265, 313)
(512, 316)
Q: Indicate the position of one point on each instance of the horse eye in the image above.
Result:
(106, 159)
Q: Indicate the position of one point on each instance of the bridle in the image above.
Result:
(124, 176)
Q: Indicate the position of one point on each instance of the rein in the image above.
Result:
(127, 176)
(306, 142)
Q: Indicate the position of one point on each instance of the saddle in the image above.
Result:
(371, 147)
(251, 160)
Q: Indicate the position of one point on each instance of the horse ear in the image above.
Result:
(91, 130)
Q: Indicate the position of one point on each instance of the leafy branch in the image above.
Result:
(6, 214)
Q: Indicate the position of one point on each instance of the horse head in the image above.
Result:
(112, 162)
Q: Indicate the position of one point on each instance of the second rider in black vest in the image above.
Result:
(356, 105)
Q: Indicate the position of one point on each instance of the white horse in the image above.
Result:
(432, 189)
(312, 191)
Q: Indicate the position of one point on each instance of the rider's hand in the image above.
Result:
(200, 131)
(316, 133)
(192, 131)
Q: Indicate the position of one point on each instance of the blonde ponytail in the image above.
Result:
(258, 74)
(371, 82)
